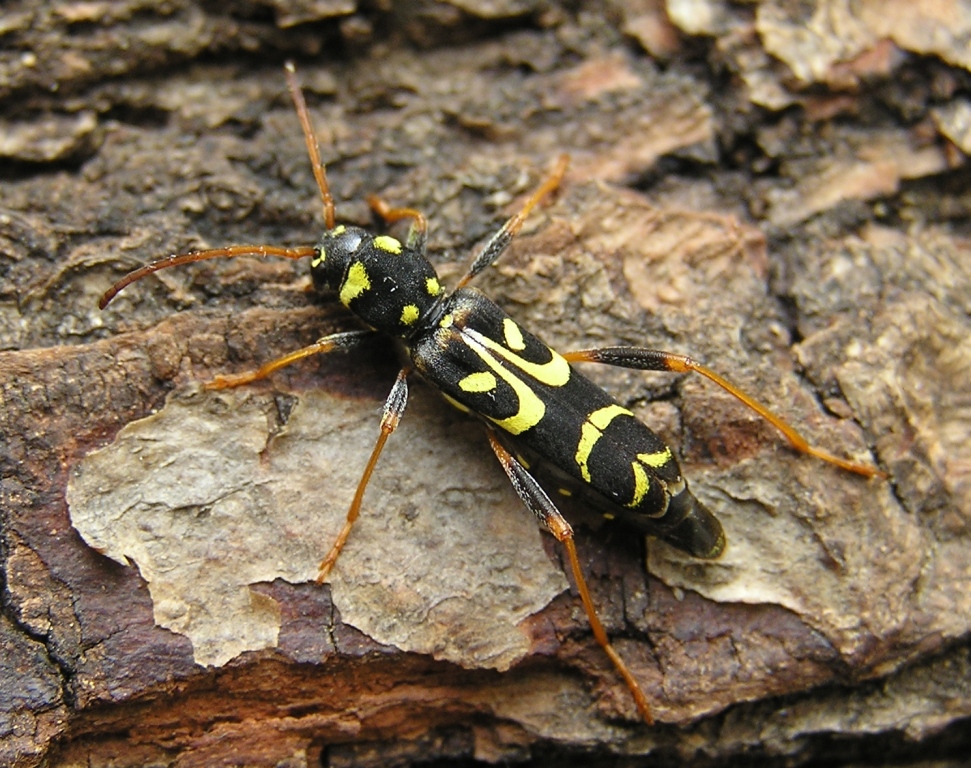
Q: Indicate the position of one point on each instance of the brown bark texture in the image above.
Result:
(780, 189)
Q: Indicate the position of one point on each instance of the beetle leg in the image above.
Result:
(394, 407)
(656, 360)
(417, 233)
(335, 341)
(498, 243)
(536, 500)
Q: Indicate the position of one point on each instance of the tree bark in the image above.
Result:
(780, 191)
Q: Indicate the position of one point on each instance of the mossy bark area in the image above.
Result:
(781, 193)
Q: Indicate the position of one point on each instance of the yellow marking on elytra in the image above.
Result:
(456, 403)
(521, 460)
(609, 515)
(564, 491)
(433, 287)
(602, 417)
(387, 243)
(514, 336)
(589, 435)
(409, 314)
(356, 283)
(591, 431)
(480, 381)
(554, 373)
(531, 408)
(656, 460)
(319, 258)
(641, 485)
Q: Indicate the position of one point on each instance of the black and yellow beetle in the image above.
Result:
(544, 420)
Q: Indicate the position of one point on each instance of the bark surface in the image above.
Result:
(779, 190)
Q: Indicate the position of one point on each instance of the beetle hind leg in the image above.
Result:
(655, 360)
(536, 500)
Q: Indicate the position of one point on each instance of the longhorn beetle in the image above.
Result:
(536, 408)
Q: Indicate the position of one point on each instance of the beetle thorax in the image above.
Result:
(390, 286)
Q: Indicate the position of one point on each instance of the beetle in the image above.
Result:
(547, 424)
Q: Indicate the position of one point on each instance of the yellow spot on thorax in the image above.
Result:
(642, 483)
(356, 283)
(409, 314)
(387, 243)
(433, 287)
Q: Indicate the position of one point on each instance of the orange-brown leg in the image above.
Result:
(417, 233)
(336, 341)
(393, 408)
(656, 360)
(536, 500)
(498, 243)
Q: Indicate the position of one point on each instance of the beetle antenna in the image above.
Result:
(214, 253)
(312, 148)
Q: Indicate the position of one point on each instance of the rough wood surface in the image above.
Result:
(780, 190)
